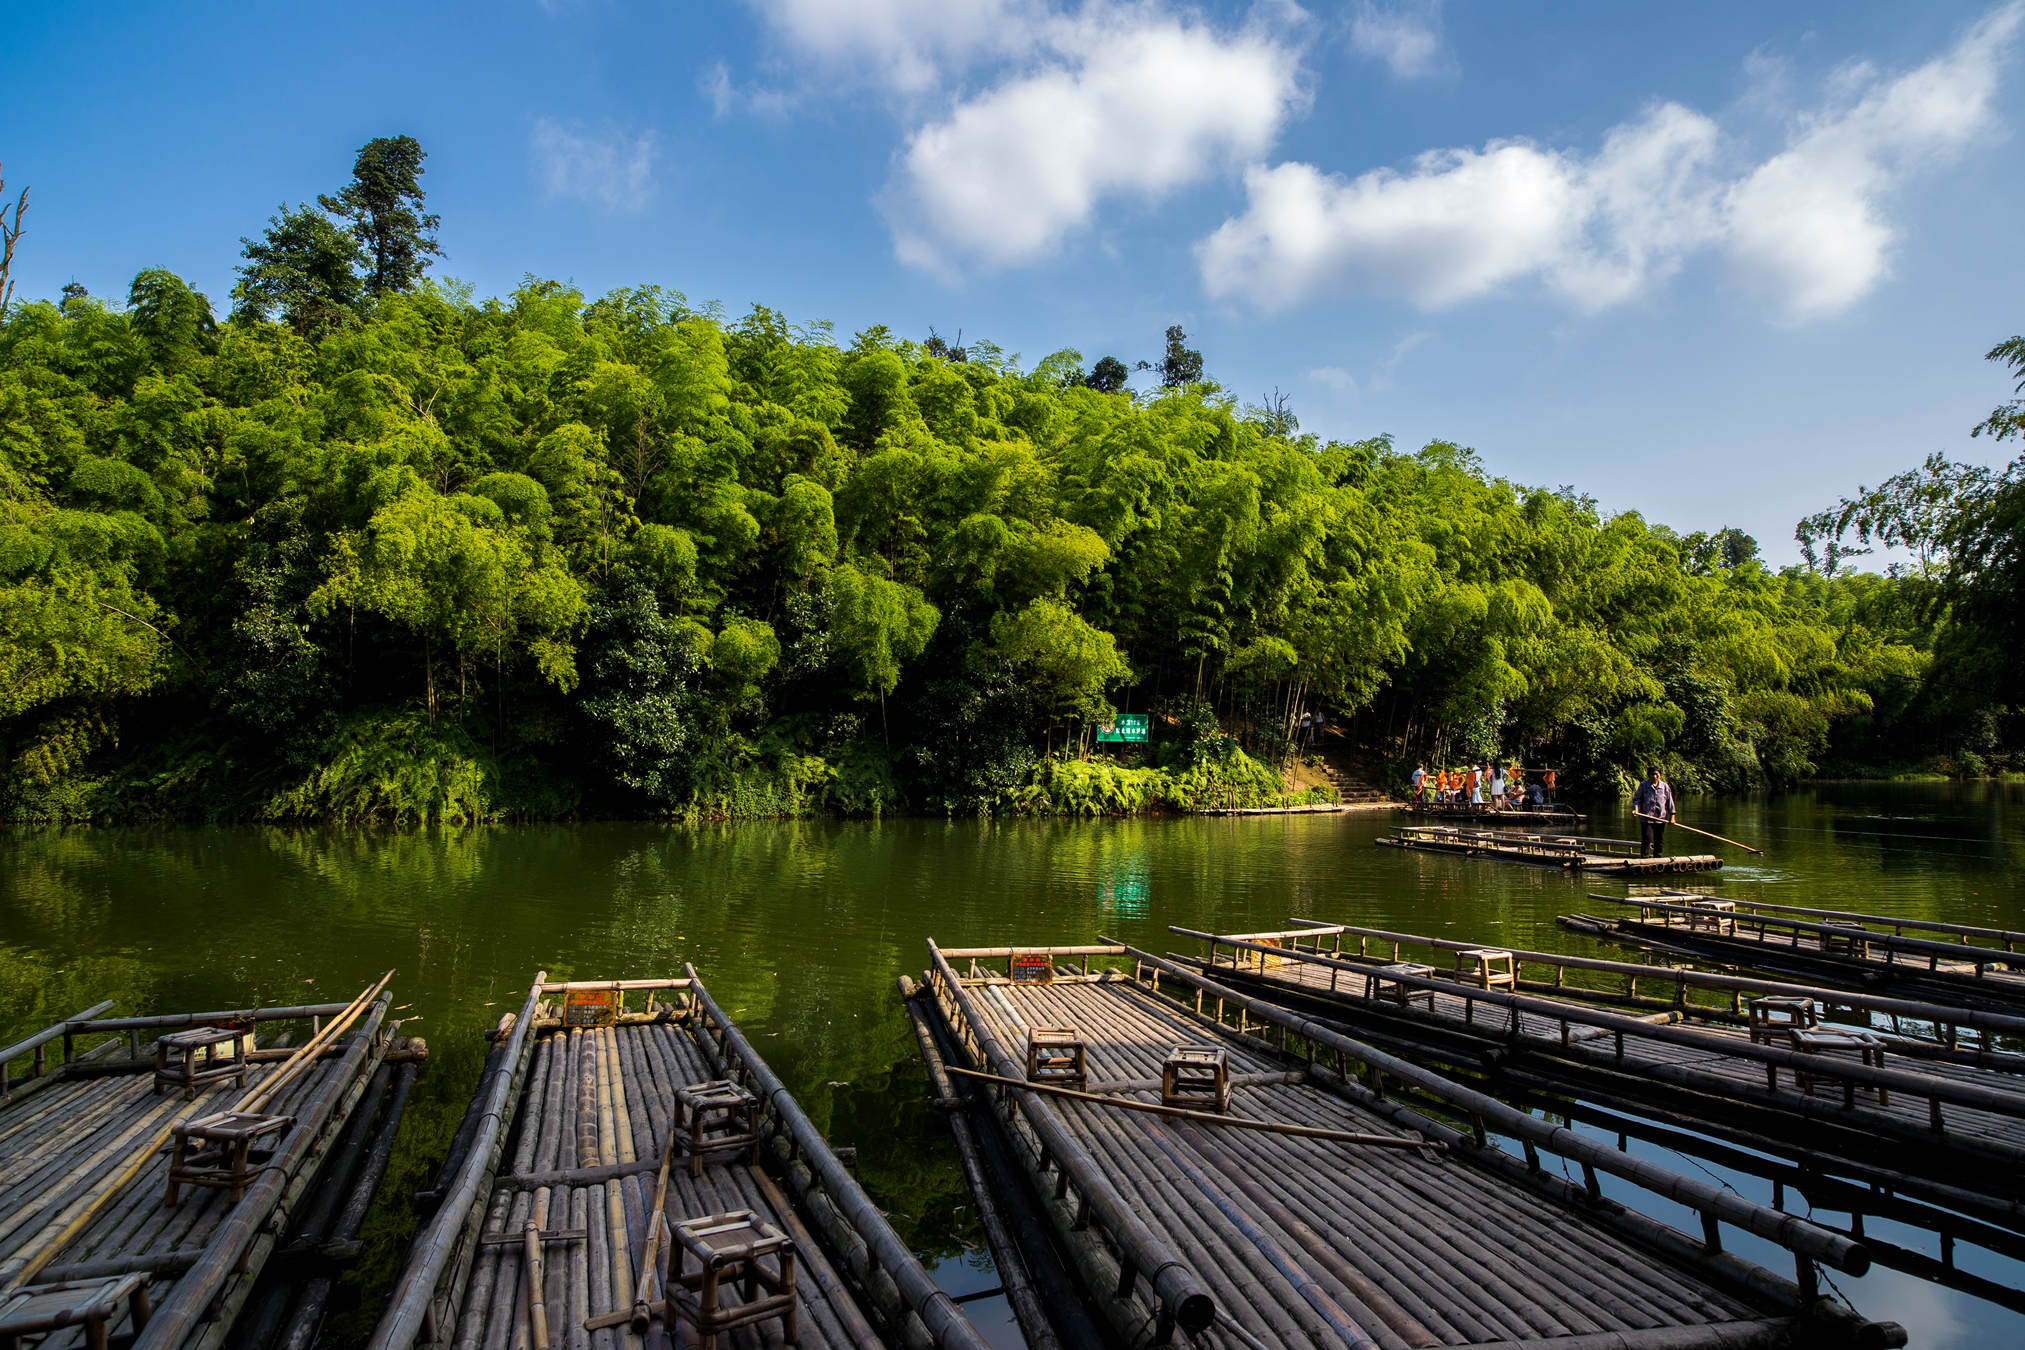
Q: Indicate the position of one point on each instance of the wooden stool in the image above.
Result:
(217, 1151)
(91, 1304)
(729, 1251)
(190, 1060)
(1378, 984)
(1487, 968)
(1196, 1077)
(1851, 939)
(1869, 1047)
(716, 1117)
(1776, 1014)
(1710, 915)
(1055, 1056)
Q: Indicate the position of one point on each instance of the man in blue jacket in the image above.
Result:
(1653, 802)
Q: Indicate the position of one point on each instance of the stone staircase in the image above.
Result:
(1352, 773)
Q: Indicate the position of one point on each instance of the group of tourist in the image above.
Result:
(1492, 786)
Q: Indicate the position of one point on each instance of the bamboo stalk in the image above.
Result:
(1706, 834)
(1204, 1117)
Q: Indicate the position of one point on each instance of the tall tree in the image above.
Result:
(305, 267)
(384, 205)
(1182, 365)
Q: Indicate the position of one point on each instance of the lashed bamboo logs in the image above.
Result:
(230, 1245)
(401, 1323)
(944, 1320)
(1178, 1290)
(1205, 1117)
(1786, 1230)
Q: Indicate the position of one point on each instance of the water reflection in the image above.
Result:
(801, 928)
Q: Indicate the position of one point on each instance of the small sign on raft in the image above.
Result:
(1033, 968)
(591, 1008)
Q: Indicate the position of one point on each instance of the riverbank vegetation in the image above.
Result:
(374, 548)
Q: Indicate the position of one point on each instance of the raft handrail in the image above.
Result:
(248, 1219)
(1141, 1252)
(407, 1307)
(1939, 1014)
(945, 1322)
(1805, 1239)
(194, 1019)
(1921, 946)
(2005, 935)
(1935, 1089)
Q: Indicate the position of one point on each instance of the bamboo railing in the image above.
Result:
(408, 1307)
(1141, 1253)
(947, 1326)
(1764, 926)
(1933, 1089)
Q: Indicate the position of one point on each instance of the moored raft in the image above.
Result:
(1574, 853)
(579, 1162)
(1840, 952)
(1826, 1079)
(1510, 815)
(142, 1193)
(1308, 1207)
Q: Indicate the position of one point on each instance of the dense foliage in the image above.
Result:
(417, 556)
(371, 550)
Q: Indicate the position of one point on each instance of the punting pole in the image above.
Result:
(1706, 834)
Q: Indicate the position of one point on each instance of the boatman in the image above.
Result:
(1420, 783)
(1653, 802)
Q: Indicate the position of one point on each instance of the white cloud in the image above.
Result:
(1335, 377)
(1809, 223)
(1407, 37)
(1805, 227)
(1123, 104)
(612, 171)
(1343, 382)
(904, 45)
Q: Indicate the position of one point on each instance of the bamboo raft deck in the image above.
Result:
(1261, 1236)
(84, 1169)
(565, 1141)
(1966, 1117)
(1521, 815)
(1835, 953)
(1574, 853)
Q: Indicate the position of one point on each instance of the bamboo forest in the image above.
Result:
(371, 547)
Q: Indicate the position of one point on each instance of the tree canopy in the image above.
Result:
(627, 555)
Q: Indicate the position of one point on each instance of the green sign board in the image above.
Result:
(1130, 728)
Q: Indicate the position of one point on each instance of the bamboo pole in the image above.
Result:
(1786, 1230)
(1706, 834)
(1177, 1286)
(944, 1321)
(401, 1323)
(231, 1244)
(1204, 1117)
(1011, 1260)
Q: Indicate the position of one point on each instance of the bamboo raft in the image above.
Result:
(1962, 1108)
(89, 1237)
(1831, 952)
(1517, 815)
(569, 1166)
(1320, 1210)
(1574, 853)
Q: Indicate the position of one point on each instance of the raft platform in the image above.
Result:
(624, 1139)
(1524, 815)
(143, 1190)
(1841, 953)
(1311, 1207)
(1575, 853)
(1769, 1071)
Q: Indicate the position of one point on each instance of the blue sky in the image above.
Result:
(1715, 263)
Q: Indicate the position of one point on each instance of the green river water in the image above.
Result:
(800, 929)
